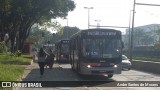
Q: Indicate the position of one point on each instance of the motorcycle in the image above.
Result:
(50, 61)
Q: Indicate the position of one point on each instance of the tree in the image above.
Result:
(67, 32)
(18, 16)
(157, 43)
(138, 34)
(40, 36)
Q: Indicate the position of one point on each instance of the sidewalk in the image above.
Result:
(57, 73)
(32, 73)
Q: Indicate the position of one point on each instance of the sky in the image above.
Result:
(112, 13)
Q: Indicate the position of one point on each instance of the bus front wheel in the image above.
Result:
(72, 66)
(110, 75)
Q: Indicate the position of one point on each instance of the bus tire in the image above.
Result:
(77, 68)
(72, 66)
(110, 75)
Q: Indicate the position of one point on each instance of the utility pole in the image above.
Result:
(131, 48)
(88, 14)
(129, 33)
(131, 45)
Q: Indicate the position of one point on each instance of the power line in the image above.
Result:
(134, 4)
(147, 4)
(109, 26)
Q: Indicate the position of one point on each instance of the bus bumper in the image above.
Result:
(101, 70)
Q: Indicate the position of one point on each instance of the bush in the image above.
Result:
(6, 59)
(3, 47)
(18, 53)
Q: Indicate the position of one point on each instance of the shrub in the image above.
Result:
(6, 59)
(3, 47)
(18, 53)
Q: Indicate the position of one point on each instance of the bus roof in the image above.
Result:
(101, 29)
(62, 40)
(95, 29)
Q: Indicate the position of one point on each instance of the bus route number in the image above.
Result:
(91, 53)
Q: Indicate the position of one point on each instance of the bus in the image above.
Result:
(96, 52)
(62, 51)
(48, 47)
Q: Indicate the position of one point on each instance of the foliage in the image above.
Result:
(18, 16)
(67, 32)
(52, 24)
(157, 45)
(40, 36)
(158, 42)
(6, 59)
(39, 39)
(9, 70)
(141, 37)
(18, 53)
(2, 47)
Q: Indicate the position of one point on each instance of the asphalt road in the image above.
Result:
(63, 72)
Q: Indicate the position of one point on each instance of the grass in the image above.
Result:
(10, 69)
(7, 59)
(10, 72)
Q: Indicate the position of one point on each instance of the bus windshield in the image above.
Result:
(101, 48)
(65, 48)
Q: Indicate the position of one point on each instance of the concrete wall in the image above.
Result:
(146, 66)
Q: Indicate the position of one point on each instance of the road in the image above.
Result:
(63, 72)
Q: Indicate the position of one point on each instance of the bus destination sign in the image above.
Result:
(65, 41)
(101, 33)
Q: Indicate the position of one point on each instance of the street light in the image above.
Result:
(98, 22)
(88, 14)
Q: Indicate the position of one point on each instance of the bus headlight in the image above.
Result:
(115, 66)
(89, 66)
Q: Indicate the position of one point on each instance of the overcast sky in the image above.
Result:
(112, 13)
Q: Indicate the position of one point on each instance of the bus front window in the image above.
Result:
(65, 48)
(101, 48)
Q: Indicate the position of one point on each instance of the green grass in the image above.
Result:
(7, 59)
(10, 72)
(10, 69)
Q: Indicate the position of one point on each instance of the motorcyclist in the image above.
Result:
(50, 59)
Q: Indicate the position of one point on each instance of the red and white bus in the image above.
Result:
(62, 51)
(96, 52)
